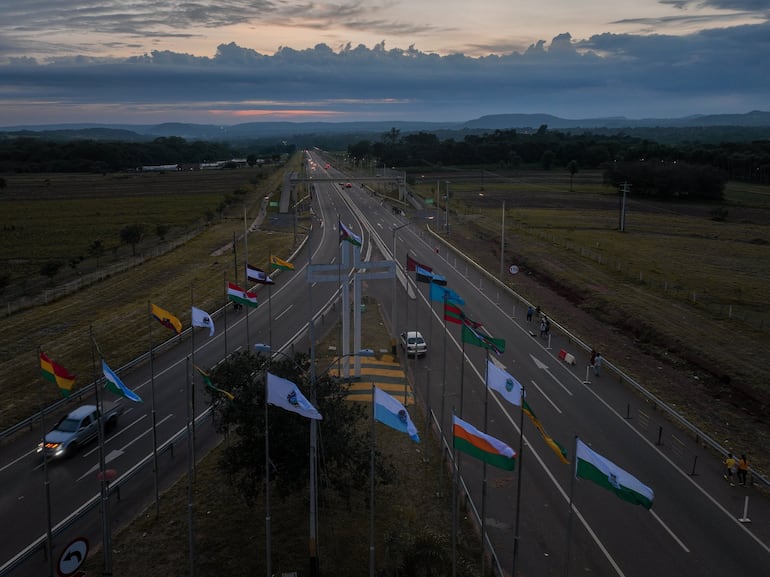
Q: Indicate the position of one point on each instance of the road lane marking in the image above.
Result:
(669, 531)
(284, 312)
(542, 366)
(547, 398)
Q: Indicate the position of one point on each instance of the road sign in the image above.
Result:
(73, 556)
(514, 269)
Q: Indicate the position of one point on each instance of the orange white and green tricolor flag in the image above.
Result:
(470, 440)
(57, 374)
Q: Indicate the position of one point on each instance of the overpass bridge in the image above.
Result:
(290, 181)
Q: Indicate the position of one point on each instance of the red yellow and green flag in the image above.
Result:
(57, 374)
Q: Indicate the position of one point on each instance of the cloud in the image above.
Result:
(606, 74)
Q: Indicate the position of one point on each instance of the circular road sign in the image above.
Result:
(73, 557)
(514, 269)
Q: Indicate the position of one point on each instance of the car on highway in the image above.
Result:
(348, 185)
(76, 429)
(413, 344)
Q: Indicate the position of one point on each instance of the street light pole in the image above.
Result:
(446, 207)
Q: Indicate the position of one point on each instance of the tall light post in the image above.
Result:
(395, 260)
(446, 208)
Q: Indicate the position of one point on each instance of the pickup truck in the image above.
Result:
(76, 429)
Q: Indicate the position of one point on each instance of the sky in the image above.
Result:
(235, 61)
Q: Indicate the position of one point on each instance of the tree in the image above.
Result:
(51, 268)
(162, 230)
(132, 234)
(572, 166)
(344, 450)
(96, 250)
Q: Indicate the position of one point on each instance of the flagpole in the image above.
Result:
(569, 518)
(224, 310)
(371, 495)
(443, 399)
(462, 377)
(343, 300)
(105, 495)
(484, 465)
(518, 484)
(269, 315)
(268, 549)
(235, 259)
(154, 417)
(47, 487)
(455, 482)
(313, 522)
(192, 388)
(190, 469)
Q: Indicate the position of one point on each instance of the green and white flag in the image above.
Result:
(501, 381)
(592, 466)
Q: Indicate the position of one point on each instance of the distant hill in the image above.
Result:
(521, 121)
(746, 126)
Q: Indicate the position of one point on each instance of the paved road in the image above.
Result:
(693, 529)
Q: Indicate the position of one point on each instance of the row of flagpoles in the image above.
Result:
(64, 380)
(490, 450)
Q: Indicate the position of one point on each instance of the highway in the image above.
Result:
(692, 529)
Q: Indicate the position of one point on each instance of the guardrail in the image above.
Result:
(624, 378)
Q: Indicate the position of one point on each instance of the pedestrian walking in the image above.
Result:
(743, 469)
(530, 312)
(598, 364)
(731, 468)
(542, 327)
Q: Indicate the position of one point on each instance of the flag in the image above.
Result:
(202, 319)
(471, 323)
(422, 274)
(240, 296)
(389, 411)
(280, 263)
(57, 374)
(438, 279)
(166, 319)
(207, 381)
(474, 337)
(592, 466)
(556, 447)
(257, 275)
(115, 385)
(285, 394)
(502, 382)
(412, 264)
(493, 451)
(452, 313)
(349, 235)
(440, 293)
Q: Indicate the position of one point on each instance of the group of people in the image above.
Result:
(736, 469)
(545, 324)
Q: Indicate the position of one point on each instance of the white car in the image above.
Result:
(413, 343)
